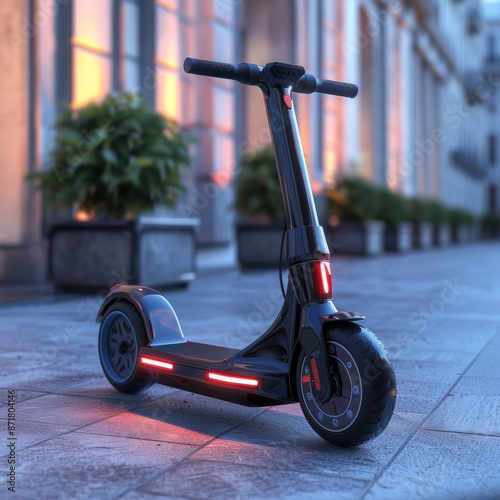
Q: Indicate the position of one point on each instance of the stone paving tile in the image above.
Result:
(481, 386)
(83, 466)
(281, 438)
(205, 479)
(443, 465)
(71, 411)
(180, 417)
(17, 361)
(468, 414)
(428, 371)
(101, 388)
(419, 397)
(47, 379)
(31, 433)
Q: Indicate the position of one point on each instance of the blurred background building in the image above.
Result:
(426, 120)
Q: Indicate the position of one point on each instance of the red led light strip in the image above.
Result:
(250, 382)
(325, 277)
(156, 362)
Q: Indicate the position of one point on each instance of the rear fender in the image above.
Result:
(159, 318)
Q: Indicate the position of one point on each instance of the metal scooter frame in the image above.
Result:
(263, 373)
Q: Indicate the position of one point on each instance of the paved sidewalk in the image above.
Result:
(438, 312)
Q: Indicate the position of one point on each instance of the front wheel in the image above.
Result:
(363, 387)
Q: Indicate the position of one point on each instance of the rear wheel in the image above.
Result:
(363, 387)
(121, 337)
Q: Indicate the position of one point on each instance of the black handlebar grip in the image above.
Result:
(243, 72)
(337, 88)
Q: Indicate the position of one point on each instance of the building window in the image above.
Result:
(105, 46)
(492, 149)
(92, 50)
(129, 59)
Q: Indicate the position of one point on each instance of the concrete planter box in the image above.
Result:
(460, 233)
(422, 235)
(398, 238)
(259, 244)
(101, 253)
(357, 238)
(441, 235)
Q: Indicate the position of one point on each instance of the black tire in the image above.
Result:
(364, 387)
(121, 337)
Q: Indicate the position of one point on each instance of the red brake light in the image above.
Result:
(326, 277)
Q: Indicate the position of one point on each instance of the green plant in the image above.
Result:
(460, 217)
(257, 186)
(491, 222)
(419, 211)
(438, 213)
(393, 208)
(353, 199)
(115, 159)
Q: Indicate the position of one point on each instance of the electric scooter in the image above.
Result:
(336, 369)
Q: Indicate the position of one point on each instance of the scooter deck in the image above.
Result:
(218, 372)
(192, 353)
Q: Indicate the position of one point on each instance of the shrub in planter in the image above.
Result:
(490, 226)
(420, 215)
(113, 161)
(461, 223)
(440, 218)
(259, 202)
(353, 208)
(395, 212)
(116, 159)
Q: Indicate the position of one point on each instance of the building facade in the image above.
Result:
(419, 125)
(492, 75)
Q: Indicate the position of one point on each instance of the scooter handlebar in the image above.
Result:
(244, 73)
(308, 84)
(249, 74)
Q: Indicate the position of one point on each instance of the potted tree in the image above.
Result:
(394, 211)
(420, 216)
(111, 162)
(461, 225)
(490, 226)
(259, 203)
(353, 208)
(440, 217)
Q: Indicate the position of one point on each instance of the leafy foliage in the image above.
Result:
(438, 213)
(115, 159)
(353, 199)
(257, 186)
(461, 217)
(393, 208)
(491, 222)
(419, 210)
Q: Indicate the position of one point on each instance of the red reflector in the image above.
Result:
(288, 100)
(314, 368)
(156, 362)
(250, 382)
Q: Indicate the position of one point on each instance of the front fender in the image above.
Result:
(159, 318)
